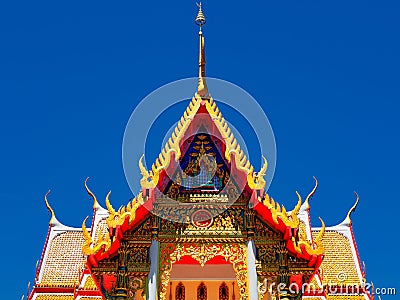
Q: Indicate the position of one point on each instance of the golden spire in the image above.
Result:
(202, 89)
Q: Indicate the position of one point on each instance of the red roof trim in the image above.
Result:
(142, 213)
(266, 216)
(66, 290)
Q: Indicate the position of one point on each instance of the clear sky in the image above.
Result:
(325, 72)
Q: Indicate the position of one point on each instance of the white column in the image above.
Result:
(251, 269)
(152, 285)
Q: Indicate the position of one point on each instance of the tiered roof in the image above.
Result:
(340, 275)
(61, 273)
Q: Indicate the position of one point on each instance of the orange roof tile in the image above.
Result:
(338, 266)
(64, 260)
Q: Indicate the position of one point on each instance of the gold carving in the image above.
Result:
(163, 160)
(312, 248)
(236, 254)
(172, 145)
(221, 225)
(116, 218)
(256, 180)
(289, 219)
(232, 146)
(149, 179)
(91, 247)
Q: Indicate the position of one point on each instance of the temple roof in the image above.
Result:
(62, 258)
(201, 113)
(341, 265)
(341, 262)
(61, 271)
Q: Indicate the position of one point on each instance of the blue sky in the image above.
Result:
(325, 72)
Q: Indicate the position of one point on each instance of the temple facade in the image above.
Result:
(202, 227)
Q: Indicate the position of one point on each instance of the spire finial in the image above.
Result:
(200, 19)
(49, 208)
(202, 89)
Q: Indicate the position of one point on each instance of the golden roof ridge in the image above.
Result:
(150, 178)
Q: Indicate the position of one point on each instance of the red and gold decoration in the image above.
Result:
(236, 254)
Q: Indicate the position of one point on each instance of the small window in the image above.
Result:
(180, 292)
(202, 292)
(223, 292)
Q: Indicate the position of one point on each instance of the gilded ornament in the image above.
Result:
(316, 247)
(53, 217)
(116, 218)
(232, 146)
(92, 247)
(289, 219)
(222, 225)
(149, 179)
(236, 254)
(256, 180)
(90, 193)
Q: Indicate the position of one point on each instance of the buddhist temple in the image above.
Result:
(202, 228)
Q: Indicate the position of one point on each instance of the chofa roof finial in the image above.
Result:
(53, 217)
(306, 205)
(90, 193)
(352, 209)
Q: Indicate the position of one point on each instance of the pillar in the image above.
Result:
(152, 287)
(252, 272)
